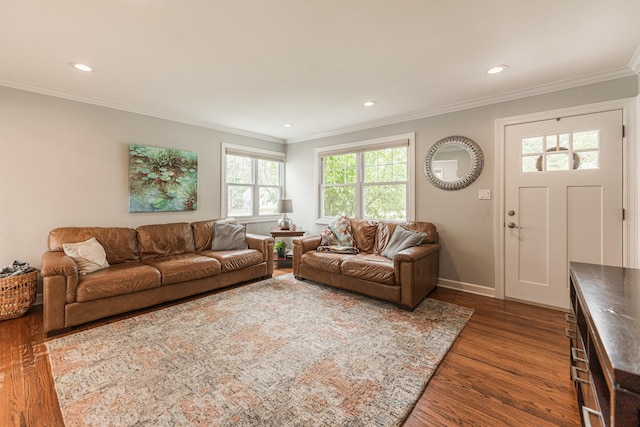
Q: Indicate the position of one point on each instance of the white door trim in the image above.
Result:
(631, 158)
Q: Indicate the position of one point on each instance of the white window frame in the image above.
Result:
(360, 146)
(254, 153)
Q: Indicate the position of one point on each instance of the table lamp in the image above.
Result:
(284, 207)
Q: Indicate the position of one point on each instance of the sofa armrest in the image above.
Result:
(58, 264)
(415, 253)
(302, 245)
(417, 272)
(307, 243)
(263, 244)
(59, 284)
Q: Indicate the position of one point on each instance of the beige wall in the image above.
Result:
(465, 224)
(65, 163)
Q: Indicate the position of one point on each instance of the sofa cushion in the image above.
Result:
(119, 243)
(88, 255)
(229, 236)
(119, 279)
(235, 260)
(374, 268)
(184, 267)
(402, 239)
(163, 240)
(203, 234)
(325, 261)
(364, 233)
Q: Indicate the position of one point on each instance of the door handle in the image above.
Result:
(512, 225)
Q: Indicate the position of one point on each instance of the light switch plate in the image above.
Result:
(484, 194)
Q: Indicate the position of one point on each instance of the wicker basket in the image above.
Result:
(17, 294)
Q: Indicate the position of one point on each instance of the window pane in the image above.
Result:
(268, 200)
(532, 145)
(400, 172)
(268, 172)
(339, 200)
(239, 201)
(529, 163)
(557, 162)
(585, 140)
(385, 201)
(339, 169)
(552, 142)
(385, 165)
(564, 140)
(588, 160)
(238, 170)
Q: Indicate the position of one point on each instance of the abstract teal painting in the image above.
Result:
(162, 179)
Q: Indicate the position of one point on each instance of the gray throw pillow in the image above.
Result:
(402, 238)
(228, 236)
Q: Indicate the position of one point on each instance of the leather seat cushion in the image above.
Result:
(374, 268)
(235, 260)
(325, 261)
(118, 279)
(184, 267)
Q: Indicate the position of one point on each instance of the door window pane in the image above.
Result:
(585, 140)
(532, 145)
(529, 164)
(588, 160)
(557, 162)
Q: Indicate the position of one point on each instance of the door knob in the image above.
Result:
(511, 213)
(512, 225)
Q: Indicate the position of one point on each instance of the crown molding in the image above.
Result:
(474, 103)
(72, 96)
(634, 64)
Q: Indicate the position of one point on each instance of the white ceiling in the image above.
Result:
(253, 65)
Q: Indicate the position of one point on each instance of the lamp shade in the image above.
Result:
(284, 206)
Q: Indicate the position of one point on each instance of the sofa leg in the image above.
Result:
(299, 277)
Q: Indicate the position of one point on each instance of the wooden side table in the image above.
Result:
(284, 262)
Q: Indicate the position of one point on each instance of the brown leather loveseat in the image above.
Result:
(147, 266)
(404, 280)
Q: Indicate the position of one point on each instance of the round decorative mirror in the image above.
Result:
(453, 163)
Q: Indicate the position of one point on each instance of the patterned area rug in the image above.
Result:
(280, 352)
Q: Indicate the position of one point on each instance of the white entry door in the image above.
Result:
(563, 202)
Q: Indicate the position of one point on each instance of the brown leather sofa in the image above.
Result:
(149, 265)
(406, 280)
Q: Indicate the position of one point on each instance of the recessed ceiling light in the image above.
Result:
(369, 103)
(497, 69)
(287, 125)
(81, 67)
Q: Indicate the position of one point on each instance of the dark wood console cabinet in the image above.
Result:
(604, 331)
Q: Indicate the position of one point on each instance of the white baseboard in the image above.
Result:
(467, 287)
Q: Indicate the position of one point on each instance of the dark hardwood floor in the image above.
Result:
(508, 367)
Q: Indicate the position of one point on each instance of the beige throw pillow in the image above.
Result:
(402, 238)
(228, 236)
(88, 255)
